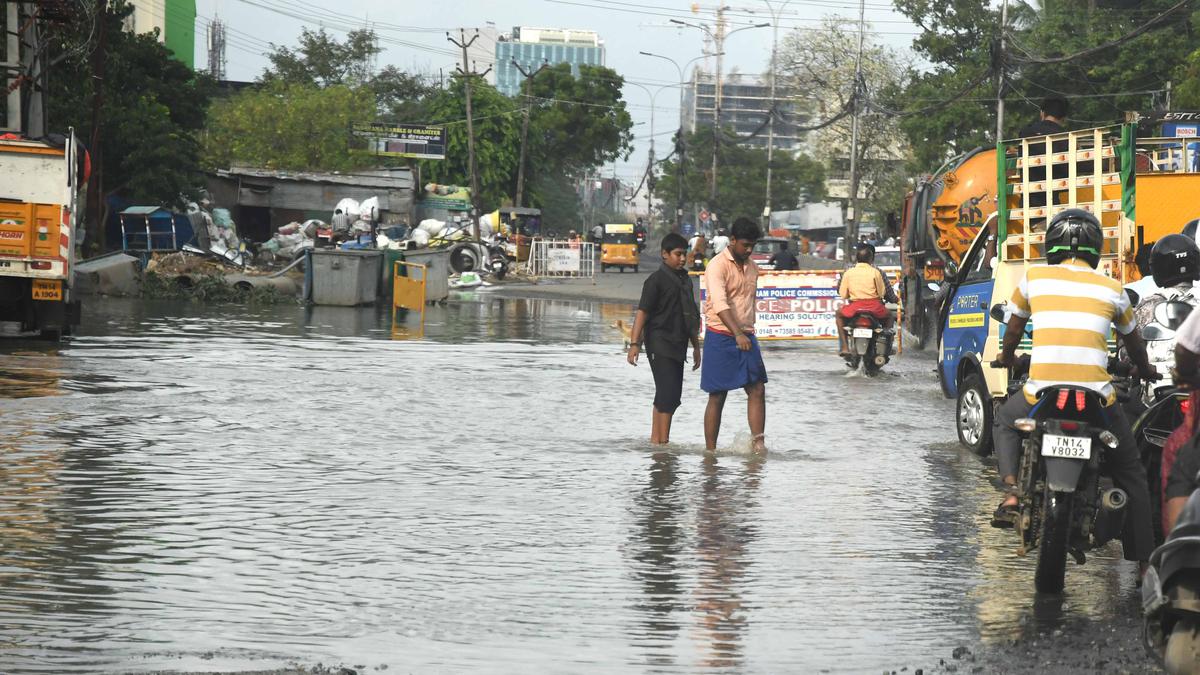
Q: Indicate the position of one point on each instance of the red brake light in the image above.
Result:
(1185, 406)
(40, 265)
(864, 322)
(1080, 401)
(1061, 404)
(1069, 426)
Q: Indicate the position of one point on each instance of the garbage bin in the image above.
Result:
(345, 278)
(437, 271)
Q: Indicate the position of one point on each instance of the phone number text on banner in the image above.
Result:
(795, 305)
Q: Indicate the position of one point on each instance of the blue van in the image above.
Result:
(965, 329)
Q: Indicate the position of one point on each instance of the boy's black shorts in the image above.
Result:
(668, 382)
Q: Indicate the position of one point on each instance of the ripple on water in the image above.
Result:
(182, 488)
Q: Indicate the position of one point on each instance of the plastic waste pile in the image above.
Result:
(290, 240)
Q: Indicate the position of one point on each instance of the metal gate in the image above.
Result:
(561, 258)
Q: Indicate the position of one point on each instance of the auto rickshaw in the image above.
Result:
(523, 225)
(619, 247)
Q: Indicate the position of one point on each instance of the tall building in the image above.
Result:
(175, 21)
(745, 104)
(531, 47)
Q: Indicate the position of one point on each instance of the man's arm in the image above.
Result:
(880, 288)
(843, 290)
(1135, 347)
(1013, 333)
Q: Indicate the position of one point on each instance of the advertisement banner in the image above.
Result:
(418, 141)
(795, 305)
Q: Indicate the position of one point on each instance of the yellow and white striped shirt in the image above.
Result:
(1073, 309)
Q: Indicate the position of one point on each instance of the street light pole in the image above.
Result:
(771, 111)
(679, 161)
(719, 44)
(1000, 75)
(650, 166)
(852, 222)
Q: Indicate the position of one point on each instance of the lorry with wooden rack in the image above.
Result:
(1140, 187)
(39, 215)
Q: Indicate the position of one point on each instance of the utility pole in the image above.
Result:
(852, 220)
(1000, 74)
(771, 121)
(525, 126)
(95, 198)
(719, 38)
(468, 72)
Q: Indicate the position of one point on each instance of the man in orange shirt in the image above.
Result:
(731, 357)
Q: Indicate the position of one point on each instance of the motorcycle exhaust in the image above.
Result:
(1114, 499)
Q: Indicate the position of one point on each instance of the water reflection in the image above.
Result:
(725, 529)
(694, 578)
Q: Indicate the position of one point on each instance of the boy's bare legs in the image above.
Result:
(756, 414)
(660, 433)
(712, 419)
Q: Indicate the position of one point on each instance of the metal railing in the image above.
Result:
(562, 258)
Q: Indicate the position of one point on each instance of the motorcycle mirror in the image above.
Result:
(1153, 332)
(992, 262)
(997, 313)
(1173, 313)
(933, 287)
(952, 269)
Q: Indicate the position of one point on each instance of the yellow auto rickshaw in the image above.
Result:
(619, 247)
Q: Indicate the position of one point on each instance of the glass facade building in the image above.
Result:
(745, 105)
(531, 47)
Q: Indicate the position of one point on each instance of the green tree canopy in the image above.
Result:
(741, 180)
(578, 123)
(153, 109)
(298, 127)
(497, 140)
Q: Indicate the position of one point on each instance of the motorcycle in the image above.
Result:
(1065, 505)
(1165, 406)
(641, 239)
(868, 342)
(1171, 595)
(480, 257)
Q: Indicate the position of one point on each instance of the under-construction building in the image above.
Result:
(745, 109)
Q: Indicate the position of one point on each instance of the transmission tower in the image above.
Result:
(216, 49)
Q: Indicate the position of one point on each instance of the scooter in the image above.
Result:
(868, 343)
(1171, 595)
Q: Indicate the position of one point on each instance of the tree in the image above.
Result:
(823, 64)
(497, 140)
(322, 61)
(296, 127)
(578, 123)
(740, 184)
(961, 42)
(153, 110)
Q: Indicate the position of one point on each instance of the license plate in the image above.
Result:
(47, 289)
(864, 333)
(1071, 447)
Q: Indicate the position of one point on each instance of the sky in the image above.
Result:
(413, 35)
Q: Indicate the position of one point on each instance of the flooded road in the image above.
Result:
(195, 488)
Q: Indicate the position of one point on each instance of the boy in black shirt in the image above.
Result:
(667, 320)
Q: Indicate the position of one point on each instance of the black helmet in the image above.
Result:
(1189, 230)
(1175, 260)
(1074, 233)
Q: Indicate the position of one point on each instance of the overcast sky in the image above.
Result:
(413, 37)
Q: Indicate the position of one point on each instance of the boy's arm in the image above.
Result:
(635, 337)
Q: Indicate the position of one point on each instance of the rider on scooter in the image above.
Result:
(865, 289)
(1175, 267)
(1073, 307)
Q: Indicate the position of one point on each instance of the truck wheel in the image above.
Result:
(973, 416)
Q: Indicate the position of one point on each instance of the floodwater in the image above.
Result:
(196, 488)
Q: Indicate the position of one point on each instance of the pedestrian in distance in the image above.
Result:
(784, 260)
(732, 359)
(719, 242)
(667, 320)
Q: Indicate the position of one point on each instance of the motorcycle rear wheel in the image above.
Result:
(1055, 537)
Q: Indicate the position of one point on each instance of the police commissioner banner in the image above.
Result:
(795, 305)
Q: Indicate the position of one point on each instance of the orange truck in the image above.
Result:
(39, 206)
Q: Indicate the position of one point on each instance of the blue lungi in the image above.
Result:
(725, 367)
